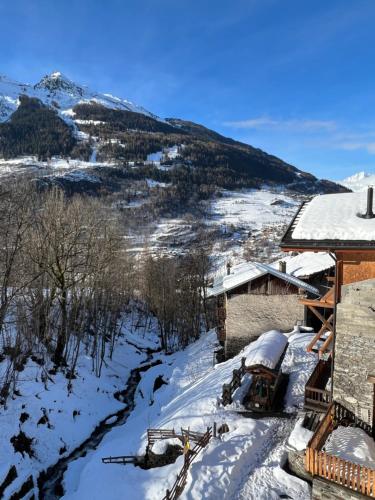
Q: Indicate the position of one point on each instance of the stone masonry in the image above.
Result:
(328, 490)
(355, 349)
(248, 316)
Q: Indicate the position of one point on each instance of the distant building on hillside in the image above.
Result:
(253, 298)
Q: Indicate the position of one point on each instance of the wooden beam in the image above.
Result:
(317, 303)
(325, 346)
(326, 325)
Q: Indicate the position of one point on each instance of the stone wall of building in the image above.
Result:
(355, 349)
(248, 316)
(328, 490)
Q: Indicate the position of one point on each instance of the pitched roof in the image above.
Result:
(244, 273)
(331, 221)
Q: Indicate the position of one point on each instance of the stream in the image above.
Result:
(50, 481)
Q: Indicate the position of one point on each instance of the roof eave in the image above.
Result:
(326, 246)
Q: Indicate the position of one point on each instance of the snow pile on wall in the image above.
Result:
(299, 437)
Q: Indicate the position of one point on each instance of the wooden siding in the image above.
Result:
(266, 285)
(353, 267)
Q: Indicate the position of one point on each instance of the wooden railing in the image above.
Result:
(353, 476)
(316, 396)
(154, 435)
(319, 463)
(180, 482)
(235, 383)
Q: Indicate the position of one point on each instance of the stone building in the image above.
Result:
(253, 298)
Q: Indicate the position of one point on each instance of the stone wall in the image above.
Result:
(328, 490)
(355, 349)
(248, 316)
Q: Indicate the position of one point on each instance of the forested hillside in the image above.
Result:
(35, 129)
(58, 117)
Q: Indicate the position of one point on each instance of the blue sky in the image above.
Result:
(295, 78)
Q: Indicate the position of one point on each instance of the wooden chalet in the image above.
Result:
(344, 379)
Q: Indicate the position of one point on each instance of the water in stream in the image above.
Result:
(50, 482)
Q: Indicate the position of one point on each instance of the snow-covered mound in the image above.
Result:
(359, 181)
(60, 92)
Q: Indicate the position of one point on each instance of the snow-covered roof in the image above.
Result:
(306, 263)
(297, 266)
(267, 349)
(334, 217)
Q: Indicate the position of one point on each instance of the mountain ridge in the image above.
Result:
(122, 132)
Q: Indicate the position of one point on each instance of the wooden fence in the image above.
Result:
(123, 459)
(154, 435)
(180, 482)
(319, 463)
(228, 389)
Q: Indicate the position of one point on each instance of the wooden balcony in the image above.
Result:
(332, 468)
(317, 397)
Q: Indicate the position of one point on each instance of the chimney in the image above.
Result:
(228, 268)
(369, 213)
(282, 266)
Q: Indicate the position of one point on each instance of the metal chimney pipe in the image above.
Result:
(229, 265)
(282, 266)
(369, 212)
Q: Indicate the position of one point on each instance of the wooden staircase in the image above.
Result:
(322, 343)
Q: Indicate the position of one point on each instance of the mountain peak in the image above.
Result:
(56, 82)
(359, 181)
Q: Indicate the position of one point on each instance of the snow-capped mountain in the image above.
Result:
(60, 92)
(359, 181)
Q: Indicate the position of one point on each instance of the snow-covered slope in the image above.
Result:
(60, 92)
(359, 181)
(234, 467)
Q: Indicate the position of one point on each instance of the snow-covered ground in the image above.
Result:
(58, 420)
(245, 463)
(252, 209)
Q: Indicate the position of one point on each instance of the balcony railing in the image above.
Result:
(319, 463)
(317, 397)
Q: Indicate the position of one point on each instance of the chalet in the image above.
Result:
(253, 298)
(344, 225)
